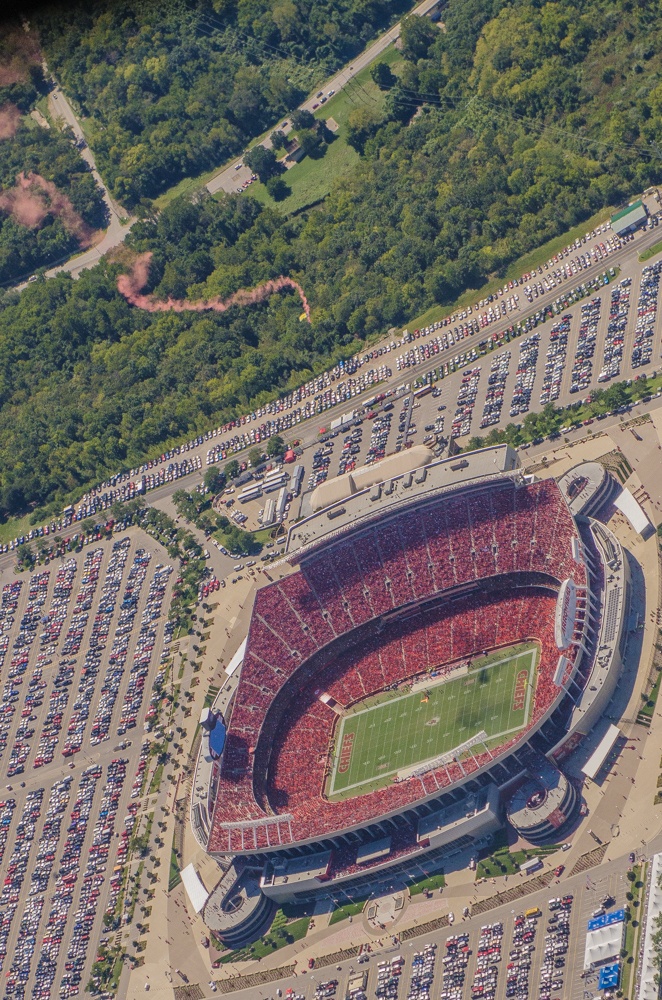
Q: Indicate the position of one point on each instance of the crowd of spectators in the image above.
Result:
(466, 537)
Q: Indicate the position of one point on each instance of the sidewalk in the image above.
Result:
(175, 933)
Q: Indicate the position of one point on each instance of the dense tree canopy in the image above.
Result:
(34, 149)
(175, 89)
(27, 147)
(519, 121)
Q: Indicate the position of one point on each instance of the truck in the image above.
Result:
(532, 865)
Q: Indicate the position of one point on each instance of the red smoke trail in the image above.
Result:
(131, 285)
(33, 198)
(10, 118)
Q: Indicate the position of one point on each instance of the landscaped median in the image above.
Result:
(633, 914)
(651, 252)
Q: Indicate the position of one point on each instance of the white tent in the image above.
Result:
(237, 659)
(194, 888)
(650, 964)
(602, 751)
(634, 512)
(603, 944)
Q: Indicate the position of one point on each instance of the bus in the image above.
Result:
(419, 393)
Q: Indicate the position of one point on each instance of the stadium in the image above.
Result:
(440, 636)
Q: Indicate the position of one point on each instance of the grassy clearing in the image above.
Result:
(515, 270)
(155, 783)
(504, 862)
(174, 876)
(186, 186)
(311, 180)
(428, 884)
(348, 910)
(633, 928)
(651, 700)
(651, 252)
(13, 527)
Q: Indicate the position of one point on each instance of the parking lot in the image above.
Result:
(81, 641)
(528, 949)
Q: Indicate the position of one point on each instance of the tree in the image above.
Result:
(302, 119)
(255, 457)
(382, 75)
(232, 468)
(278, 139)
(310, 142)
(278, 188)
(25, 557)
(214, 479)
(416, 36)
(262, 162)
(275, 446)
(361, 124)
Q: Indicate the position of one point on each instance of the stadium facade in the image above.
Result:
(389, 587)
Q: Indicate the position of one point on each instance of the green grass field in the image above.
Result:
(311, 180)
(400, 731)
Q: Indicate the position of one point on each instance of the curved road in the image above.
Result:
(229, 178)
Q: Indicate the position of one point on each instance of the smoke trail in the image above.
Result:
(33, 198)
(10, 117)
(131, 285)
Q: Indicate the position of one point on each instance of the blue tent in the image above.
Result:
(609, 977)
(217, 739)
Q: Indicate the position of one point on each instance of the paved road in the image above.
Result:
(228, 178)
(231, 177)
(119, 224)
(307, 432)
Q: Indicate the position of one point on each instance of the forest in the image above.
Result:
(50, 204)
(172, 90)
(504, 128)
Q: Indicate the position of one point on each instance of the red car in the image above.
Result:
(559, 871)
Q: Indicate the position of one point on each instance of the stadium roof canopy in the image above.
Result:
(194, 888)
(362, 478)
(634, 512)
(349, 501)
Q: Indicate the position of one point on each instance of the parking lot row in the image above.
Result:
(65, 864)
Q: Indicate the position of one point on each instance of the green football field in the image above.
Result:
(392, 732)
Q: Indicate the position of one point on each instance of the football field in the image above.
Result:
(395, 731)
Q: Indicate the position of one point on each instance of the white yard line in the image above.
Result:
(387, 774)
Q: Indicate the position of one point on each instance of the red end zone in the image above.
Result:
(346, 752)
(519, 696)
